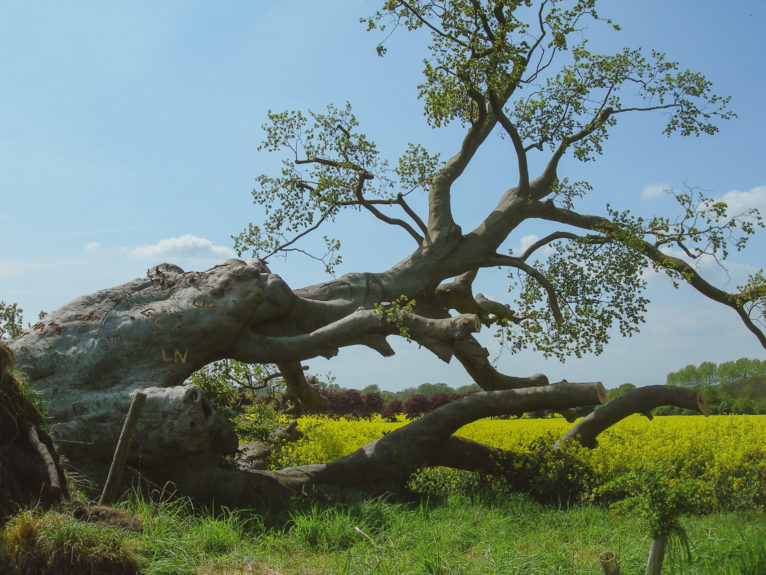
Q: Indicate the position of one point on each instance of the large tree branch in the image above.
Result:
(518, 145)
(600, 224)
(458, 295)
(641, 400)
(368, 327)
(475, 359)
(440, 221)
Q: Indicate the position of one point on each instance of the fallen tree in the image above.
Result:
(30, 469)
(89, 356)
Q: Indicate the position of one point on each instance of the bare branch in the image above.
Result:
(518, 263)
(410, 212)
(521, 154)
(284, 247)
(433, 28)
(380, 215)
(591, 239)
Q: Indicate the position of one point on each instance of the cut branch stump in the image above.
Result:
(608, 563)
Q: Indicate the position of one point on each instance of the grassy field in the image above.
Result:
(459, 527)
(484, 533)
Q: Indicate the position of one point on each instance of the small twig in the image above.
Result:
(363, 534)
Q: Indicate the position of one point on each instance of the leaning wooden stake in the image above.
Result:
(109, 495)
(608, 563)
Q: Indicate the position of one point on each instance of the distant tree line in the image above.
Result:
(731, 387)
(371, 400)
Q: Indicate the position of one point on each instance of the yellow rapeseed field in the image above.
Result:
(728, 451)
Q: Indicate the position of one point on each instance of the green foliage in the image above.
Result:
(329, 167)
(659, 500)
(488, 47)
(243, 393)
(550, 476)
(394, 313)
(597, 286)
(11, 321)
(445, 481)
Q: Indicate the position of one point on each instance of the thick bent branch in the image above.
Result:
(440, 221)
(641, 400)
(368, 327)
(475, 359)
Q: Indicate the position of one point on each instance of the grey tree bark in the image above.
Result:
(88, 357)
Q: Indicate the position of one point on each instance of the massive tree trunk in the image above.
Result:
(88, 357)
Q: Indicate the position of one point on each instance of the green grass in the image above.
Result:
(461, 534)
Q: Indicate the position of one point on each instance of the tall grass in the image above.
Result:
(486, 532)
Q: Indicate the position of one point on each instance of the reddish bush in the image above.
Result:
(416, 406)
(373, 404)
(392, 409)
(437, 400)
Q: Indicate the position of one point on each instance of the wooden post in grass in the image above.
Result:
(109, 495)
(608, 563)
(656, 555)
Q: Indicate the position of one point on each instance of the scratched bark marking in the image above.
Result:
(177, 355)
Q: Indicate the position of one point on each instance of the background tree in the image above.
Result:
(522, 71)
(731, 387)
(11, 322)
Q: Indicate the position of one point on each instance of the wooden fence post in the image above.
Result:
(608, 563)
(109, 495)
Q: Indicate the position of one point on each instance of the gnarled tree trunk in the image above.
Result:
(89, 356)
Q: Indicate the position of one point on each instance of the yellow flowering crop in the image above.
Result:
(728, 451)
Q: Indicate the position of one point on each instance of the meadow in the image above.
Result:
(458, 524)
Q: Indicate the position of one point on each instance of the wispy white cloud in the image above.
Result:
(526, 241)
(187, 246)
(738, 201)
(653, 191)
(5, 270)
(92, 247)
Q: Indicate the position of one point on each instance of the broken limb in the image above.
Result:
(641, 400)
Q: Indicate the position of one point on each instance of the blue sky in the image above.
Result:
(129, 134)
